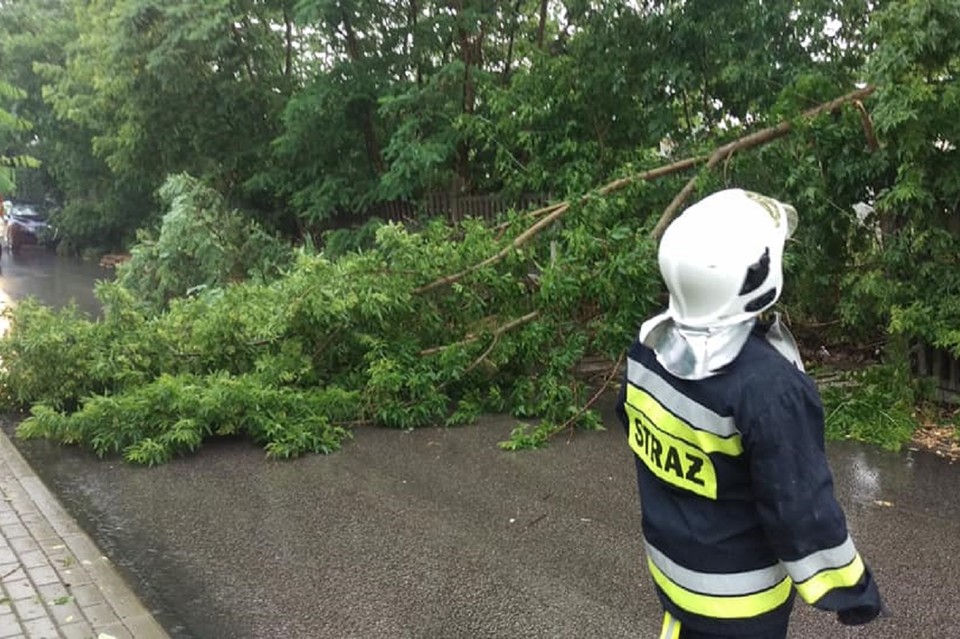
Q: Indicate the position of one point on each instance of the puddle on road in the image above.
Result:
(53, 279)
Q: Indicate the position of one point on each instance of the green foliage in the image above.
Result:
(201, 245)
(174, 414)
(341, 241)
(910, 285)
(527, 437)
(906, 280)
(292, 361)
(40, 336)
(305, 110)
(319, 165)
(12, 128)
(90, 226)
(299, 112)
(124, 93)
(875, 405)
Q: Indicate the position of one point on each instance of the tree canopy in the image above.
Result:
(300, 111)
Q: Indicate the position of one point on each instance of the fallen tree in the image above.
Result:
(552, 213)
(432, 327)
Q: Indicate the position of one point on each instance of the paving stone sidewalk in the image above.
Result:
(54, 582)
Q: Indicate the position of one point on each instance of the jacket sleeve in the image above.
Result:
(793, 487)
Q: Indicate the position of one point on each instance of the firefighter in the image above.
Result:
(737, 501)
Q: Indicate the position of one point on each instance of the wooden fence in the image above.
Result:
(942, 367)
(936, 363)
(452, 206)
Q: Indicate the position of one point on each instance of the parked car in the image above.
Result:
(26, 225)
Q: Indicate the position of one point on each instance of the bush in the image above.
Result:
(201, 244)
(341, 241)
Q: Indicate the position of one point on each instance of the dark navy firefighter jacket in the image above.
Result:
(736, 494)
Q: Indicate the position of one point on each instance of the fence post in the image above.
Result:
(454, 206)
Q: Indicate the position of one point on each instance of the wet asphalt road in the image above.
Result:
(437, 533)
(54, 280)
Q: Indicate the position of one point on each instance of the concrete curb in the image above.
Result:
(54, 581)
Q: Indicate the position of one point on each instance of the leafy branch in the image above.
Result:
(746, 142)
(500, 330)
(555, 211)
(614, 370)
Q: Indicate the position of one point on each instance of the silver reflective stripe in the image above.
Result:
(836, 557)
(719, 584)
(697, 415)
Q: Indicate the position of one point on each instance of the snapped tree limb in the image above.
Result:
(469, 339)
(555, 211)
(746, 142)
(614, 370)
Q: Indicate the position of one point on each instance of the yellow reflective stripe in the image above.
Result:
(670, 628)
(735, 607)
(820, 584)
(673, 425)
(669, 458)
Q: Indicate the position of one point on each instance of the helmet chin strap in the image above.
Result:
(699, 353)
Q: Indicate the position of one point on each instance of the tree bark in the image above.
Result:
(288, 44)
(413, 20)
(238, 40)
(510, 42)
(542, 25)
(471, 54)
(371, 142)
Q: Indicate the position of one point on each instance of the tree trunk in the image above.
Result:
(288, 44)
(513, 34)
(371, 143)
(471, 53)
(413, 17)
(541, 27)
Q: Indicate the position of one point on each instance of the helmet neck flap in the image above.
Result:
(698, 353)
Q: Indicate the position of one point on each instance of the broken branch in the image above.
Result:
(746, 142)
(553, 212)
(593, 400)
(500, 330)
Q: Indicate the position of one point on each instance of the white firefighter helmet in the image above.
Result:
(722, 258)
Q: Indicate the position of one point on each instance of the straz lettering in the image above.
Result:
(696, 463)
(673, 460)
